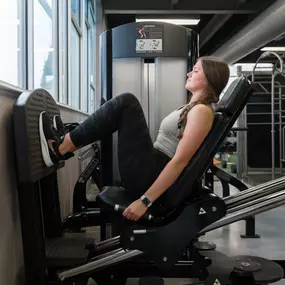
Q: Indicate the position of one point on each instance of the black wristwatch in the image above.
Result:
(146, 201)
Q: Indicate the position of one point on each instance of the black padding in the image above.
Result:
(26, 112)
(112, 195)
(226, 113)
(233, 97)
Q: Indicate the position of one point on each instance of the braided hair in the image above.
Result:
(217, 75)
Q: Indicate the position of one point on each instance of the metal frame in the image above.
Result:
(22, 36)
(92, 85)
(278, 61)
(30, 44)
(240, 206)
(63, 51)
(55, 39)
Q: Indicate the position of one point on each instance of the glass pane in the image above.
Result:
(92, 100)
(85, 70)
(44, 66)
(86, 7)
(75, 69)
(11, 46)
(75, 6)
(63, 52)
(92, 49)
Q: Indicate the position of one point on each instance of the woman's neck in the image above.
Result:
(197, 96)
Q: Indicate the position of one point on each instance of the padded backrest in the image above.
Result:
(226, 113)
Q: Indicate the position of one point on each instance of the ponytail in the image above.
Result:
(183, 115)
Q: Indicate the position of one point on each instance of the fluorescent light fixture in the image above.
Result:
(273, 49)
(259, 66)
(182, 22)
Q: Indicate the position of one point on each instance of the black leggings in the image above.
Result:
(139, 162)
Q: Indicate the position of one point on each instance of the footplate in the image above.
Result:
(67, 251)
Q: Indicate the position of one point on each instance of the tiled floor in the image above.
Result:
(271, 244)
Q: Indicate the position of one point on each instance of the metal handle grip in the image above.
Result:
(121, 209)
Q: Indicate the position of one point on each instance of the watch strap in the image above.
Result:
(146, 201)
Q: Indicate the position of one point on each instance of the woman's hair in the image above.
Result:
(217, 75)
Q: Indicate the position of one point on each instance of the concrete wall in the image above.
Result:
(11, 254)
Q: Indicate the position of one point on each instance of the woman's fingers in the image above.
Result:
(129, 214)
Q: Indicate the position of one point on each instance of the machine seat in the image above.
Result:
(118, 199)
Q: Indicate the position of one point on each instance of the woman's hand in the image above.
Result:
(135, 210)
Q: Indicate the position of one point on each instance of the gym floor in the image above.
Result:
(269, 225)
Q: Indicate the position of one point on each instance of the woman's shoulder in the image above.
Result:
(202, 109)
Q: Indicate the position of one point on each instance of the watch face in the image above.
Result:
(146, 201)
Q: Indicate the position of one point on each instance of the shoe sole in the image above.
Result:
(54, 122)
(44, 145)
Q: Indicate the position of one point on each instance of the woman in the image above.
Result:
(147, 170)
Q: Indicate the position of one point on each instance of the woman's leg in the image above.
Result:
(122, 113)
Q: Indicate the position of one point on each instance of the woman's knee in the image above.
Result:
(129, 98)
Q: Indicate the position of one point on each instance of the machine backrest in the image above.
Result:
(226, 113)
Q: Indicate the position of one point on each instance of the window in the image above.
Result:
(75, 7)
(45, 63)
(11, 49)
(63, 51)
(92, 61)
(82, 56)
(75, 69)
(86, 70)
(75, 56)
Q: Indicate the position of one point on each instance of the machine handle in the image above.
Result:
(239, 129)
(121, 209)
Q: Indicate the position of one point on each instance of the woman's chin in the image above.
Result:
(188, 87)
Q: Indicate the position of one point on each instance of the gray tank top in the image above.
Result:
(166, 140)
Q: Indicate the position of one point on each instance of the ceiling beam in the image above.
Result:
(182, 7)
(208, 5)
(179, 12)
(212, 27)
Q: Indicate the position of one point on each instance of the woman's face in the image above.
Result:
(196, 79)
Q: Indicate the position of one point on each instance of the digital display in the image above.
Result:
(149, 45)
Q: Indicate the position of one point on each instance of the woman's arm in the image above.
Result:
(199, 123)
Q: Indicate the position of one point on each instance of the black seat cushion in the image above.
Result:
(112, 195)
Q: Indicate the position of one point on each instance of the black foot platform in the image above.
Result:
(67, 251)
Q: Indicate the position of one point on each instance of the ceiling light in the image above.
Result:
(182, 22)
(273, 49)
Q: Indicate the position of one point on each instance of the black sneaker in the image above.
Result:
(50, 141)
(59, 126)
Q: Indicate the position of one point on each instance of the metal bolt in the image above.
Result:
(164, 259)
(132, 238)
(214, 209)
